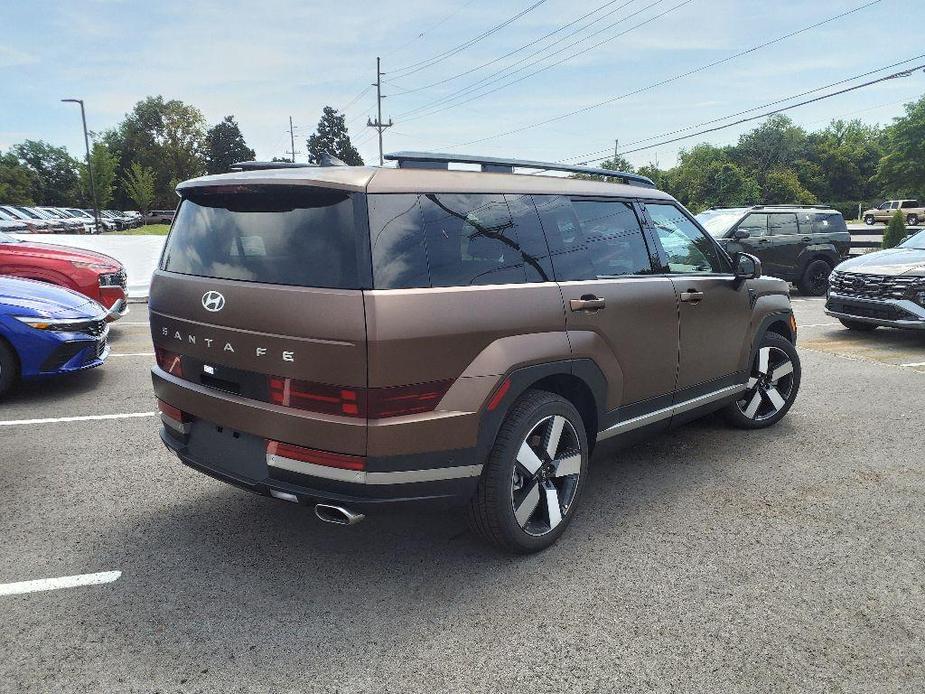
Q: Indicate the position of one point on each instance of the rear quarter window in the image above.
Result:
(823, 222)
(298, 237)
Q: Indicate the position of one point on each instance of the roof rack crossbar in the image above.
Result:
(424, 160)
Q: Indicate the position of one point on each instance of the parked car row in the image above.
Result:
(63, 220)
(913, 212)
(55, 306)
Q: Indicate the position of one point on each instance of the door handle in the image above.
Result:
(692, 296)
(807, 239)
(588, 302)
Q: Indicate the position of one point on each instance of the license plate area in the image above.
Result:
(234, 452)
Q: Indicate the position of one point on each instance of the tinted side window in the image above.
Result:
(533, 248)
(470, 239)
(590, 239)
(396, 236)
(822, 222)
(783, 224)
(688, 249)
(755, 224)
(909, 204)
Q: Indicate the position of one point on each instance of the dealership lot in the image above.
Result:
(788, 559)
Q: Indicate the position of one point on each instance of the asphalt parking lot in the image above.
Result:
(785, 560)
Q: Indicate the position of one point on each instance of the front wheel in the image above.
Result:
(772, 385)
(534, 475)
(869, 220)
(815, 279)
(912, 220)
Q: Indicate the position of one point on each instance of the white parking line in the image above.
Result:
(920, 363)
(85, 418)
(58, 583)
(121, 322)
(132, 354)
(799, 325)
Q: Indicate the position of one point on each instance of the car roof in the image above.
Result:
(373, 179)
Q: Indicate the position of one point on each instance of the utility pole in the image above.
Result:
(96, 205)
(379, 125)
(292, 140)
(616, 149)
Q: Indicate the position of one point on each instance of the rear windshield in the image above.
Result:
(291, 236)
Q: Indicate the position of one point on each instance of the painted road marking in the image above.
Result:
(118, 323)
(921, 363)
(58, 583)
(799, 325)
(85, 418)
(133, 354)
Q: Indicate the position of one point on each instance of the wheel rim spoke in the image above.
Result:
(753, 405)
(782, 370)
(764, 356)
(775, 397)
(530, 460)
(569, 465)
(555, 435)
(528, 505)
(552, 505)
(752, 382)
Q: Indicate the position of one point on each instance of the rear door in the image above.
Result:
(781, 259)
(617, 311)
(715, 310)
(263, 287)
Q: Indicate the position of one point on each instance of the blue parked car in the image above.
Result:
(47, 330)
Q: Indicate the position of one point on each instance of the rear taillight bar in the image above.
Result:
(372, 403)
(169, 361)
(174, 417)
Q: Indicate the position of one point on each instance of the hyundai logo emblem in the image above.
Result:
(213, 301)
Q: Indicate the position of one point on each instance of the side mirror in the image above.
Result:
(747, 267)
(741, 234)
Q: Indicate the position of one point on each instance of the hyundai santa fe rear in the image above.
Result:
(351, 338)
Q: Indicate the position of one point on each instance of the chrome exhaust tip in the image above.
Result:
(337, 515)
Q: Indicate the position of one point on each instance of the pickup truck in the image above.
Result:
(913, 212)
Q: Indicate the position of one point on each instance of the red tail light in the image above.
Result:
(310, 455)
(169, 361)
(375, 403)
(174, 413)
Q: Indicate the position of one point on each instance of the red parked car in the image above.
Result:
(93, 274)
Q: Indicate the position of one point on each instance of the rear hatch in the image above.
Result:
(259, 303)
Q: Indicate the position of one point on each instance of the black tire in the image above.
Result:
(770, 408)
(860, 326)
(912, 220)
(869, 220)
(815, 279)
(9, 368)
(491, 511)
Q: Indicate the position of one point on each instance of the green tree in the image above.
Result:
(138, 183)
(16, 181)
(782, 187)
(901, 172)
(225, 146)
(167, 136)
(775, 143)
(706, 176)
(56, 181)
(332, 137)
(618, 164)
(104, 165)
(895, 231)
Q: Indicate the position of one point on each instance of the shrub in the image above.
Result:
(895, 231)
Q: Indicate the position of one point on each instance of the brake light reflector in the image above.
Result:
(499, 394)
(174, 413)
(316, 457)
(169, 361)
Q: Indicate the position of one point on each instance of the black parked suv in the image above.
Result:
(798, 243)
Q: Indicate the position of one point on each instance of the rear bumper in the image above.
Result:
(892, 313)
(310, 490)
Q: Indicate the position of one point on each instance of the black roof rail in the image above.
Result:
(436, 160)
(261, 165)
(796, 207)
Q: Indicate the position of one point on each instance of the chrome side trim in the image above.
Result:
(667, 412)
(358, 477)
(432, 475)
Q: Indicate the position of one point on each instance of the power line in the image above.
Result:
(405, 90)
(587, 156)
(430, 62)
(668, 80)
(544, 68)
(432, 28)
(904, 73)
(359, 96)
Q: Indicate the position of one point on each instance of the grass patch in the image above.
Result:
(149, 230)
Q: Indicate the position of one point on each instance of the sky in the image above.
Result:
(266, 61)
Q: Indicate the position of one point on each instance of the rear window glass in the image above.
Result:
(294, 237)
(823, 222)
(453, 240)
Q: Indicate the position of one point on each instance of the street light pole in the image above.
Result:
(96, 205)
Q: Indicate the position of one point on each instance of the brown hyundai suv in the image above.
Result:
(350, 337)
